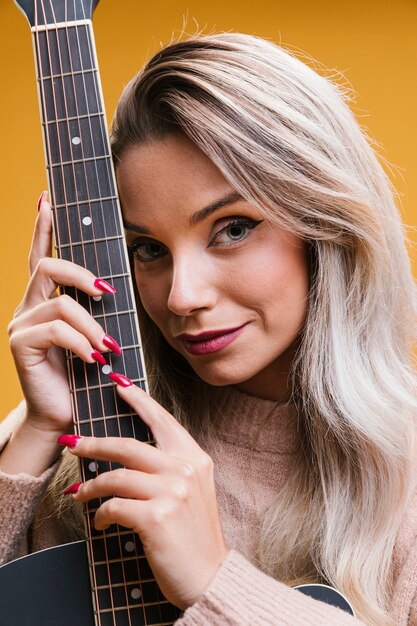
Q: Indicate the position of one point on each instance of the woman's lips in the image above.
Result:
(210, 341)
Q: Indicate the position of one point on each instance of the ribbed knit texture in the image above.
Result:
(253, 455)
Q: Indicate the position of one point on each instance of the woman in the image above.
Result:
(277, 302)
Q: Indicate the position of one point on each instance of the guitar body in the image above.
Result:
(47, 588)
(55, 587)
(52, 588)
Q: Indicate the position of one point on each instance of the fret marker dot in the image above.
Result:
(87, 220)
(136, 593)
(97, 298)
(106, 369)
(92, 466)
(129, 546)
(76, 141)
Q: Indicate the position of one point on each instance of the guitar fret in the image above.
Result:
(113, 276)
(88, 201)
(125, 558)
(107, 611)
(106, 315)
(94, 420)
(74, 118)
(60, 25)
(121, 533)
(65, 74)
(132, 606)
(78, 161)
(74, 357)
(87, 241)
(103, 386)
(131, 582)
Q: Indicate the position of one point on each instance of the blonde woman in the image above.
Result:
(278, 311)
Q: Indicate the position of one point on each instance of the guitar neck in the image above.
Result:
(88, 230)
(87, 220)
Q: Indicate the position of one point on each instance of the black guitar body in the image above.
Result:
(52, 588)
(48, 588)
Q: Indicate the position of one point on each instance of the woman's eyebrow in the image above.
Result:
(232, 197)
(200, 215)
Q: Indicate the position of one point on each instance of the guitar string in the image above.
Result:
(58, 137)
(46, 129)
(77, 204)
(92, 64)
(111, 184)
(139, 368)
(51, 173)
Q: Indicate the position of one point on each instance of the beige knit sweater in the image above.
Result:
(249, 470)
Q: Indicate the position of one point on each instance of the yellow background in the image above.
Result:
(373, 42)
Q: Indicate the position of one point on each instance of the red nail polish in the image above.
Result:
(41, 199)
(97, 356)
(68, 440)
(111, 343)
(121, 380)
(103, 285)
(72, 488)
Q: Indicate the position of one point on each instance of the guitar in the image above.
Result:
(105, 580)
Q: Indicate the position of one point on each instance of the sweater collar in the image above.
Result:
(254, 423)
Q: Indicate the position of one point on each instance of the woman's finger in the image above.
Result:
(51, 273)
(131, 453)
(42, 236)
(124, 483)
(132, 514)
(66, 309)
(30, 344)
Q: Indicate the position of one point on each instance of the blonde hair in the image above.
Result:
(284, 137)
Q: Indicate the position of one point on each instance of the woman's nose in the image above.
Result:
(193, 286)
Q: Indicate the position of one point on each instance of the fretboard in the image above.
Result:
(88, 230)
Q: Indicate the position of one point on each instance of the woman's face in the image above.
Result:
(227, 289)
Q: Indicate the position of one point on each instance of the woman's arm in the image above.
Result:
(241, 595)
(20, 493)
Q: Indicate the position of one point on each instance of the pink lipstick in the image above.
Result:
(210, 341)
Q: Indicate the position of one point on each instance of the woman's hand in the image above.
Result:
(44, 323)
(165, 494)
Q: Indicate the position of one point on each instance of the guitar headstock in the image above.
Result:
(43, 12)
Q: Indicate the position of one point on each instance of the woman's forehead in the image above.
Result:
(172, 172)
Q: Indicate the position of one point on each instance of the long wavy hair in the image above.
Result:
(285, 138)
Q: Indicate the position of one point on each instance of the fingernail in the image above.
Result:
(121, 380)
(68, 440)
(41, 199)
(103, 285)
(97, 356)
(111, 343)
(72, 488)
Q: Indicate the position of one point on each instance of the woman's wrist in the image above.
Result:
(30, 450)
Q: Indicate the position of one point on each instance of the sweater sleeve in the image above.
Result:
(20, 495)
(241, 595)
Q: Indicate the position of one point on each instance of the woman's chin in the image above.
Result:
(220, 377)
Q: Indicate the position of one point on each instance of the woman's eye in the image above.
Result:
(147, 251)
(235, 230)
